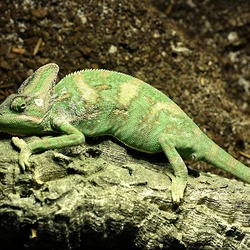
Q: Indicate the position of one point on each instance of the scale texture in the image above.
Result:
(101, 102)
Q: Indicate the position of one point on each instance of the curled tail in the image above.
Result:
(219, 158)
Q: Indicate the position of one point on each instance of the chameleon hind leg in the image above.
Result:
(179, 178)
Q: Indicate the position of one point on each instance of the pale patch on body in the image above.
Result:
(214, 151)
(85, 91)
(64, 95)
(158, 107)
(128, 91)
(174, 110)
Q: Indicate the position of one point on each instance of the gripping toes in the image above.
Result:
(25, 152)
(178, 188)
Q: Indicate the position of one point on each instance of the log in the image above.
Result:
(103, 195)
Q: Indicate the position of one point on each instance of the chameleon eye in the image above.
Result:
(18, 104)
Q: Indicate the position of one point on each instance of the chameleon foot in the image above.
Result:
(178, 188)
(25, 152)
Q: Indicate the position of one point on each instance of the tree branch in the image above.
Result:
(107, 196)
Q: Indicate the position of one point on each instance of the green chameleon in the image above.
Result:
(102, 102)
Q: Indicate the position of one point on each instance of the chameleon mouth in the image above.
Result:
(19, 124)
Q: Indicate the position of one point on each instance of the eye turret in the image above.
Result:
(18, 104)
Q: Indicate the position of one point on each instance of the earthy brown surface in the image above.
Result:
(197, 52)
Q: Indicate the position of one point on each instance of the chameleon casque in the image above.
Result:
(102, 102)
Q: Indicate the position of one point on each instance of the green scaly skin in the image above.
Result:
(101, 102)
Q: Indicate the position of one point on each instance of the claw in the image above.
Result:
(178, 188)
(25, 152)
(24, 160)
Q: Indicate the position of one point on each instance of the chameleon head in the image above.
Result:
(15, 117)
(22, 113)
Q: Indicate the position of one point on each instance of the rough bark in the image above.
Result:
(106, 196)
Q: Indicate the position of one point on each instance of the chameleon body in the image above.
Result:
(101, 102)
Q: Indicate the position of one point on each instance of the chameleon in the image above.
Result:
(96, 102)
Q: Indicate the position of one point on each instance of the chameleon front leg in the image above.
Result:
(71, 137)
(179, 179)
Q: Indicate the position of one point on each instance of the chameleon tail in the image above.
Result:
(216, 156)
